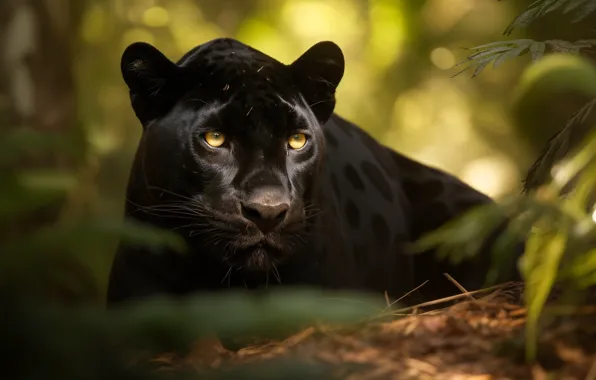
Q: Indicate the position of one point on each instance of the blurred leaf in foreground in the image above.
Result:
(95, 344)
(540, 265)
(54, 255)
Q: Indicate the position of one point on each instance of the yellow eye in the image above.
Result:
(214, 139)
(297, 141)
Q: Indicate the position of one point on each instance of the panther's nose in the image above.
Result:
(267, 210)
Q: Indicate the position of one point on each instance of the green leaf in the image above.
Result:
(462, 237)
(499, 51)
(531, 13)
(479, 68)
(561, 46)
(52, 180)
(583, 266)
(18, 197)
(557, 149)
(539, 267)
(539, 8)
(166, 321)
(574, 4)
(587, 8)
(550, 6)
(18, 141)
(510, 54)
(72, 239)
(499, 43)
(91, 343)
(486, 52)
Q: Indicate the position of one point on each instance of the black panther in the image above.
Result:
(244, 157)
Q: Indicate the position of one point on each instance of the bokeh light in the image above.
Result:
(442, 58)
(492, 175)
(156, 17)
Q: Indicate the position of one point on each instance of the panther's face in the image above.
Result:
(232, 146)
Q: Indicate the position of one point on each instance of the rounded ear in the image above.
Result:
(154, 81)
(145, 69)
(317, 74)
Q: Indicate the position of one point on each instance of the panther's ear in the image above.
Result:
(317, 74)
(152, 79)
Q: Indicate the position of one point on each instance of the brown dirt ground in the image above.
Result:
(474, 336)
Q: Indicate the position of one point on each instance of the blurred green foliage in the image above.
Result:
(56, 343)
(557, 214)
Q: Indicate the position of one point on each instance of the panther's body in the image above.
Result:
(337, 212)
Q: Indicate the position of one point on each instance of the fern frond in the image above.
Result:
(539, 8)
(498, 51)
(587, 7)
(561, 46)
(557, 148)
(503, 50)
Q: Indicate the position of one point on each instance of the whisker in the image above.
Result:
(276, 273)
(175, 207)
(152, 187)
(197, 100)
(191, 225)
(170, 215)
(172, 209)
(228, 276)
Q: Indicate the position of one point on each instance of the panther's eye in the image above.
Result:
(214, 139)
(297, 141)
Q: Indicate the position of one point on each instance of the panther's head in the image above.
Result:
(232, 146)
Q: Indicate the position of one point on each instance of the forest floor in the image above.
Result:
(477, 335)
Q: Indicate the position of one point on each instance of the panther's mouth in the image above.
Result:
(259, 256)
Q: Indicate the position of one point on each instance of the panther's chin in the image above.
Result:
(258, 255)
(258, 259)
